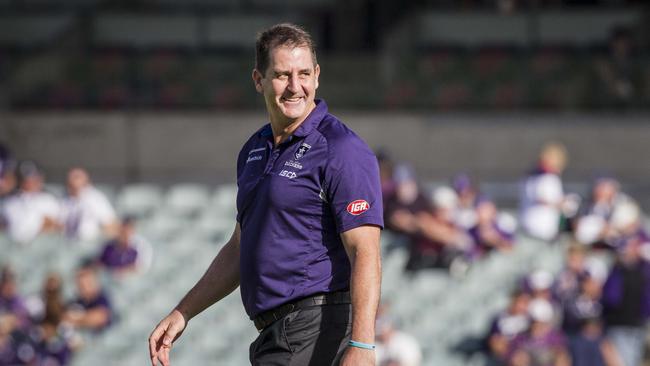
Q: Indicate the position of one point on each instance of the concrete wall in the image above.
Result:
(172, 147)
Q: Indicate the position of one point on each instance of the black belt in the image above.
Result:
(266, 318)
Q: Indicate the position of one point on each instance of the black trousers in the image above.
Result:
(311, 336)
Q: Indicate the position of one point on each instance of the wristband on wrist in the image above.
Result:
(361, 345)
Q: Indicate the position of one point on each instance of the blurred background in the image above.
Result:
(514, 131)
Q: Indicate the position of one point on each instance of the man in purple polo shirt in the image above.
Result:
(305, 249)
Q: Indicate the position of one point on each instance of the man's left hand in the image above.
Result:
(355, 356)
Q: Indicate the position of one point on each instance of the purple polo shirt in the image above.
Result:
(293, 202)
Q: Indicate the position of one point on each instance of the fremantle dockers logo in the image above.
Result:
(302, 150)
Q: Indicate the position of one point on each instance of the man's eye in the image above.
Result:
(282, 77)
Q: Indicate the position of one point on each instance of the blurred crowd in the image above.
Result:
(47, 328)
(593, 312)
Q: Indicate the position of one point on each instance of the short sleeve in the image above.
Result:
(352, 184)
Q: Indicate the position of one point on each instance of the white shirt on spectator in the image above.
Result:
(25, 214)
(542, 197)
(85, 215)
(402, 349)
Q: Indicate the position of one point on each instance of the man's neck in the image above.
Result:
(283, 128)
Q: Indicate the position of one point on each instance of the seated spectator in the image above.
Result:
(540, 284)
(434, 238)
(626, 302)
(595, 225)
(394, 347)
(545, 208)
(91, 310)
(30, 211)
(583, 305)
(467, 199)
(627, 227)
(542, 344)
(127, 252)
(506, 326)
(582, 323)
(489, 234)
(568, 281)
(10, 301)
(50, 300)
(87, 213)
(16, 347)
(53, 345)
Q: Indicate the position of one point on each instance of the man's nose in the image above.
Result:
(294, 83)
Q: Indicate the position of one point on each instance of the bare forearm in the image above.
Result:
(365, 290)
(221, 278)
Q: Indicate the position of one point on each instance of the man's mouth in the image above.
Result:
(291, 100)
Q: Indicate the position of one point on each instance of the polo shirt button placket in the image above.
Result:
(275, 154)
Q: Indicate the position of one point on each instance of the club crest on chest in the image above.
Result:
(302, 150)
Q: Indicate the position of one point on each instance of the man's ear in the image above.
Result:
(317, 74)
(257, 79)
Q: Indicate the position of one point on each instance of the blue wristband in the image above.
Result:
(361, 345)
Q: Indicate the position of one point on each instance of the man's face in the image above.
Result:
(289, 83)
(77, 180)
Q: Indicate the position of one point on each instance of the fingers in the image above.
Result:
(154, 343)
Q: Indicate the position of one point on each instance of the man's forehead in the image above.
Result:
(297, 53)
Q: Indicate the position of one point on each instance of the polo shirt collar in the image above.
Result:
(313, 119)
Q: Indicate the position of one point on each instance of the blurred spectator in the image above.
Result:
(91, 310)
(30, 211)
(618, 76)
(87, 213)
(7, 173)
(506, 326)
(626, 302)
(50, 301)
(10, 300)
(16, 347)
(53, 345)
(127, 252)
(488, 234)
(467, 199)
(545, 208)
(583, 326)
(540, 284)
(542, 344)
(434, 238)
(596, 224)
(568, 281)
(394, 347)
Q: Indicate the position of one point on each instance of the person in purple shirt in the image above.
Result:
(10, 300)
(626, 302)
(542, 344)
(305, 249)
(92, 309)
(127, 253)
(487, 234)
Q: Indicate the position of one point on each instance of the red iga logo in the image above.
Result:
(358, 207)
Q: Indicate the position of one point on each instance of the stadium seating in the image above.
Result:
(439, 310)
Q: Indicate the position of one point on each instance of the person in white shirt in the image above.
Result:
(30, 211)
(544, 203)
(394, 347)
(87, 213)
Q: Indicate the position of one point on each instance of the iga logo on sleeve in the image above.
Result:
(358, 207)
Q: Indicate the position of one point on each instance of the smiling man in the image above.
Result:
(305, 249)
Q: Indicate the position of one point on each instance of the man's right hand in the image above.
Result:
(164, 335)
